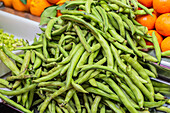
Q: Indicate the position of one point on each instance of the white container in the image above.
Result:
(18, 26)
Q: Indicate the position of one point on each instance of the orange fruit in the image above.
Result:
(38, 6)
(161, 6)
(147, 3)
(147, 20)
(158, 36)
(162, 24)
(28, 3)
(53, 1)
(7, 3)
(19, 6)
(165, 45)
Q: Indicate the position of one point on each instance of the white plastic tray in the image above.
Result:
(18, 26)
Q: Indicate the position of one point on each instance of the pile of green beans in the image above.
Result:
(87, 61)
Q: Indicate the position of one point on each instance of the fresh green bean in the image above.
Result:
(112, 106)
(94, 107)
(119, 21)
(49, 28)
(11, 102)
(29, 47)
(120, 94)
(4, 58)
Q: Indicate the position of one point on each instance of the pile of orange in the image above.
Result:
(35, 7)
(159, 22)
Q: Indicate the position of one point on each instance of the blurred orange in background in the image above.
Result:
(162, 24)
(19, 6)
(38, 6)
(147, 20)
(161, 6)
(165, 45)
(7, 3)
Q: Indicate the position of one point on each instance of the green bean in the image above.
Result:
(67, 106)
(48, 77)
(112, 106)
(143, 12)
(102, 93)
(103, 109)
(149, 57)
(144, 8)
(82, 39)
(11, 102)
(122, 47)
(150, 73)
(30, 98)
(128, 91)
(119, 3)
(78, 87)
(92, 81)
(141, 87)
(49, 65)
(154, 104)
(140, 70)
(129, 23)
(49, 28)
(122, 97)
(25, 63)
(88, 6)
(157, 47)
(88, 74)
(104, 17)
(159, 96)
(29, 47)
(166, 53)
(92, 57)
(130, 42)
(116, 36)
(117, 57)
(96, 14)
(94, 107)
(66, 37)
(86, 103)
(163, 108)
(51, 71)
(104, 87)
(101, 67)
(4, 58)
(158, 84)
(59, 31)
(12, 55)
(81, 62)
(63, 51)
(136, 91)
(40, 55)
(38, 61)
(120, 23)
(45, 52)
(69, 95)
(58, 110)
(18, 92)
(5, 83)
(104, 5)
(77, 102)
(20, 77)
(74, 3)
(114, 6)
(157, 89)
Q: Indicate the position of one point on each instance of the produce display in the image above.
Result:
(88, 60)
